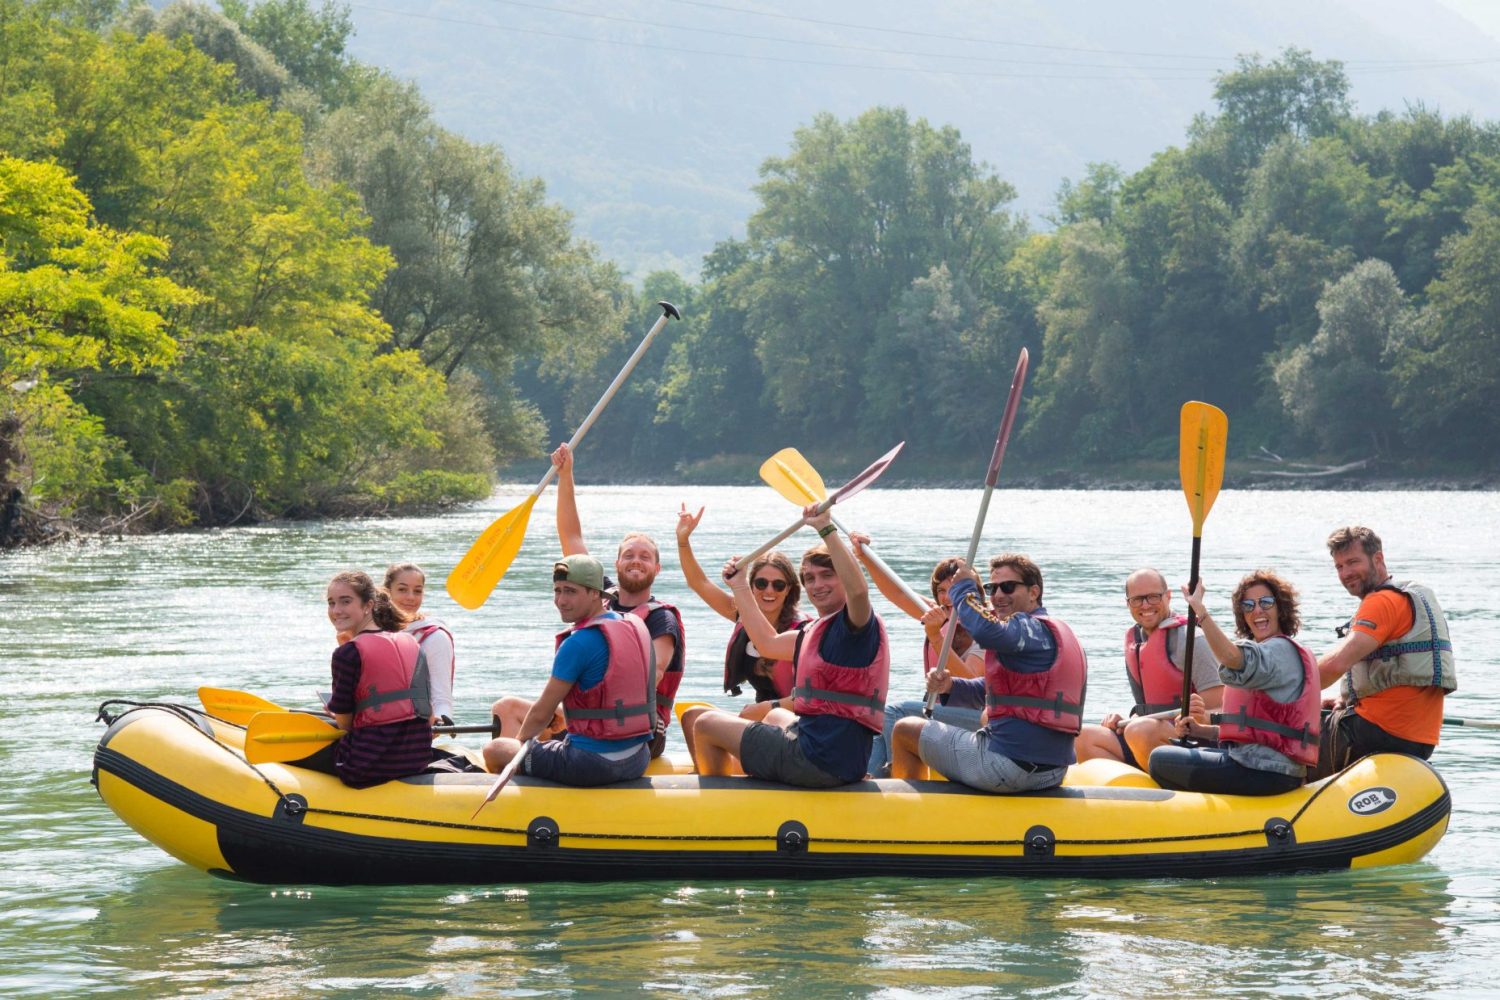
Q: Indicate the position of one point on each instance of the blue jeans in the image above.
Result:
(880, 750)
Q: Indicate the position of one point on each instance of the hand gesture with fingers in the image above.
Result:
(687, 521)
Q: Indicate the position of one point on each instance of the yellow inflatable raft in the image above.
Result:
(180, 779)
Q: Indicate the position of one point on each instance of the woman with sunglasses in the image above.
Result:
(1268, 725)
(778, 593)
(964, 660)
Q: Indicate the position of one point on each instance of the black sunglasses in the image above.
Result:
(761, 583)
(1006, 587)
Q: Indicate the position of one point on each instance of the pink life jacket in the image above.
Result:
(622, 705)
(392, 679)
(1293, 727)
(738, 651)
(1052, 698)
(856, 693)
(1155, 681)
(671, 678)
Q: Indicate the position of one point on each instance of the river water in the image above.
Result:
(90, 908)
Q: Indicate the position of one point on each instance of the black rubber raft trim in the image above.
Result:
(267, 850)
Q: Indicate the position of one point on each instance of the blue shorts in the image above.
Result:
(566, 764)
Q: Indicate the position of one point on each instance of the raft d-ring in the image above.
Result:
(292, 808)
(1279, 833)
(542, 833)
(791, 838)
(1040, 842)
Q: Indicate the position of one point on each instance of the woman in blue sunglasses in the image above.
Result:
(1267, 729)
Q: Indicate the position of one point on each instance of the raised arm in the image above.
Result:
(782, 646)
(715, 597)
(884, 582)
(856, 591)
(1229, 654)
(569, 529)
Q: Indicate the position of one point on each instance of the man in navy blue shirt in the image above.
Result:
(1032, 690)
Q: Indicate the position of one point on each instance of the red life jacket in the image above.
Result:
(671, 678)
(1155, 681)
(737, 670)
(623, 704)
(1052, 698)
(1291, 727)
(392, 679)
(824, 688)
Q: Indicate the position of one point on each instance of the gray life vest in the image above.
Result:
(1423, 657)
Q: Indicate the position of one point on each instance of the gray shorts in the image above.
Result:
(774, 753)
(566, 764)
(964, 756)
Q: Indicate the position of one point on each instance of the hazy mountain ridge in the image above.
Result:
(655, 151)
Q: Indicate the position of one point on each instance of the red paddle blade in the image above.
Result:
(1012, 403)
(865, 478)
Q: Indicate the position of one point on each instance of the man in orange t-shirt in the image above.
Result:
(1401, 718)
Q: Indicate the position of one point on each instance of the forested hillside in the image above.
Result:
(243, 276)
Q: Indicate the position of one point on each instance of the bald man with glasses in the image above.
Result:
(1154, 654)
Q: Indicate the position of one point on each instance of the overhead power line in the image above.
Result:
(1154, 73)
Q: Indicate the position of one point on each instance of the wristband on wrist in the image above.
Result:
(826, 530)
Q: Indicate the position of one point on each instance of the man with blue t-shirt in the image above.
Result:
(1035, 673)
(604, 678)
(819, 736)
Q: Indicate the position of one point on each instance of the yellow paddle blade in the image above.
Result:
(273, 737)
(681, 707)
(1205, 428)
(233, 706)
(489, 557)
(793, 476)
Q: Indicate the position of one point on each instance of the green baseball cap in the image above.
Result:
(582, 569)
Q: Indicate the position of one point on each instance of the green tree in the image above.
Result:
(75, 298)
(486, 270)
(1448, 369)
(1338, 388)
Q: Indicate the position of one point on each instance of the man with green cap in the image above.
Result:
(603, 677)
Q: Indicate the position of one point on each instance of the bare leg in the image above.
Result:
(499, 752)
(1096, 742)
(716, 739)
(1145, 735)
(906, 759)
(687, 721)
(511, 711)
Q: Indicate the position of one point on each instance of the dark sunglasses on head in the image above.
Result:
(761, 583)
(1266, 602)
(1006, 587)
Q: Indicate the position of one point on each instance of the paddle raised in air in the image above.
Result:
(483, 566)
(839, 495)
(1205, 429)
(991, 476)
(793, 476)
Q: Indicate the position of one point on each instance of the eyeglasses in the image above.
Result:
(761, 583)
(1268, 602)
(1141, 600)
(1006, 587)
